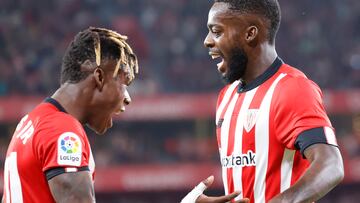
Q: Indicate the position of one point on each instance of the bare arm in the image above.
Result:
(324, 173)
(73, 188)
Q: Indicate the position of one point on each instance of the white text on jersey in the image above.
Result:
(248, 159)
(25, 129)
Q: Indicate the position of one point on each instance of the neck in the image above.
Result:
(258, 61)
(74, 99)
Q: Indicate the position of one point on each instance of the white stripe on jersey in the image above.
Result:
(330, 136)
(225, 100)
(225, 135)
(237, 171)
(262, 142)
(68, 170)
(6, 180)
(12, 185)
(286, 169)
(91, 163)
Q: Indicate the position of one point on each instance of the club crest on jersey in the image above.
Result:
(250, 120)
(69, 149)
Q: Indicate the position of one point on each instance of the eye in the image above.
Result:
(217, 33)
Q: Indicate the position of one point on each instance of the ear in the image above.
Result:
(251, 34)
(99, 76)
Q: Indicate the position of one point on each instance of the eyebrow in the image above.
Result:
(210, 26)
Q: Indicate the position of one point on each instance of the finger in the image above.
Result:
(195, 193)
(245, 200)
(228, 197)
(208, 181)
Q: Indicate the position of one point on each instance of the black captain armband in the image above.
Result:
(57, 171)
(312, 136)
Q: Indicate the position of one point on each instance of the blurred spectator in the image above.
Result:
(350, 146)
(351, 141)
(321, 37)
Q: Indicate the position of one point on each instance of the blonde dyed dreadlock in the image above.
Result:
(97, 43)
(127, 59)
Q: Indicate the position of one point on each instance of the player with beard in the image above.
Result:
(275, 139)
(237, 66)
(49, 158)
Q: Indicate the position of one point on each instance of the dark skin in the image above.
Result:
(222, 199)
(93, 101)
(247, 31)
(227, 30)
(325, 172)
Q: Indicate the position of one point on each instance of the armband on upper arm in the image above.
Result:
(312, 136)
(60, 170)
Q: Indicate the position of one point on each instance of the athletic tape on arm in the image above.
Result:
(194, 194)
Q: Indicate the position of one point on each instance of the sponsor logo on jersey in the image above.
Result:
(219, 123)
(69, 149)
(248, 159)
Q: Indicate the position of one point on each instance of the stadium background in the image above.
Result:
(164, 144)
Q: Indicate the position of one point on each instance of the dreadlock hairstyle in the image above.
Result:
(96, 44)
(269, 9)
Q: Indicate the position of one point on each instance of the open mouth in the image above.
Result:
(118, 111)
(217, 57)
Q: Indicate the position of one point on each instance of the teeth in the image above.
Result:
(215, 56)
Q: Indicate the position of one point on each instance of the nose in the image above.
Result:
(208, 42)
(126, 101)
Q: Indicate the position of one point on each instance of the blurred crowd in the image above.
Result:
(154, 142)
(319, 37)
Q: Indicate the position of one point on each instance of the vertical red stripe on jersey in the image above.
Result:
(273, 177)
(248, 144)
(230, 180)
(233, 121)
(221, 95)
(218, 128)
(248, 172)
(231, 139)
(299, 162)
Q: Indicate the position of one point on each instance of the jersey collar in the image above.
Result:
(274, 67)
(55, 103)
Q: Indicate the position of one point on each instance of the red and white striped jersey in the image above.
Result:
(257, 126)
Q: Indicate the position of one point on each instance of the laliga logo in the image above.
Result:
(69, 145)
(69, 149)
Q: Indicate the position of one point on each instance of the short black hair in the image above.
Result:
(269, 9)
(86, 44)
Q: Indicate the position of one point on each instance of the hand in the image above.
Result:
(197, 196)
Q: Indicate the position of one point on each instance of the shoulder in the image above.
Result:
(296, 84)
(228, 89)
(53, 125)
(59, 121)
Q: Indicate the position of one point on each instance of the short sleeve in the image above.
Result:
(61, 144)
(297, 106)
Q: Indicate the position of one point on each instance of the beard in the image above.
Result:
(236, 66)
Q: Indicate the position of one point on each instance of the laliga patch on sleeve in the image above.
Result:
(69, 149)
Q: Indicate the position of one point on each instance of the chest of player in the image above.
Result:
(244, 124)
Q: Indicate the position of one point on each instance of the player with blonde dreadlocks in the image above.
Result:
(49, 158)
